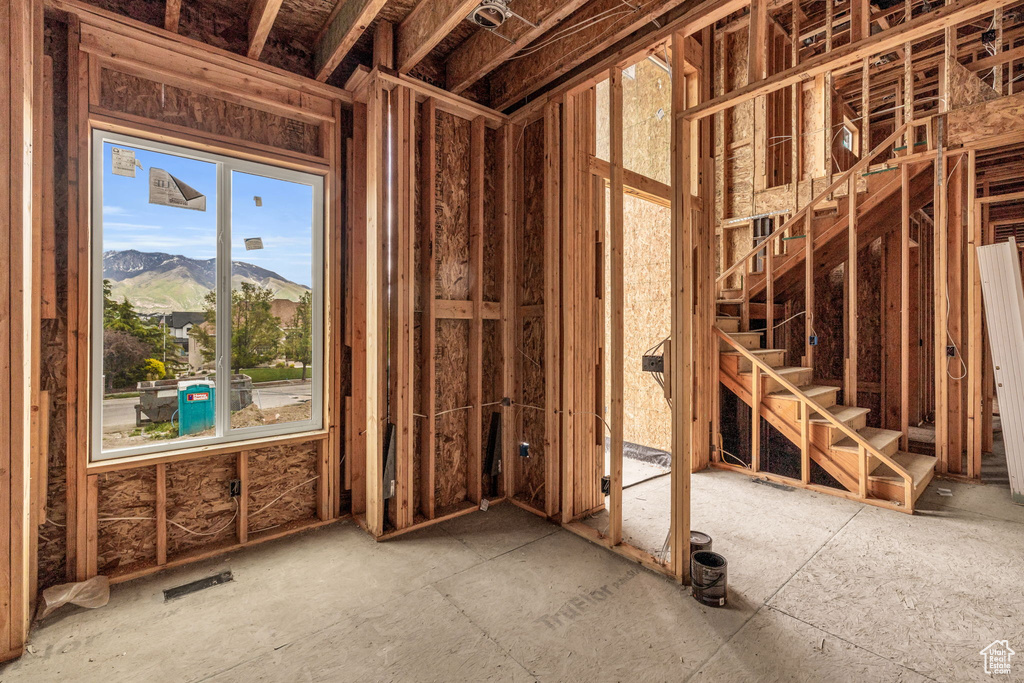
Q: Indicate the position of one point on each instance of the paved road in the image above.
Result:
(119, 413)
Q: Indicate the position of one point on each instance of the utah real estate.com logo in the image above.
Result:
(997, 657)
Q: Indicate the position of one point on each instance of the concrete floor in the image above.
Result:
(820, 588)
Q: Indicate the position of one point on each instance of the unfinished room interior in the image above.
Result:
(589, 340)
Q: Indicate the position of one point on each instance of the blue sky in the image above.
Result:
(283, 221)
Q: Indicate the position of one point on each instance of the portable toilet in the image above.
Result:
(196, 406)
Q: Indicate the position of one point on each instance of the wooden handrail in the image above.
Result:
(808, 401)
(777, 234)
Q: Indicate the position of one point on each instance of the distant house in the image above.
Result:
(179, 323)
(283, 309)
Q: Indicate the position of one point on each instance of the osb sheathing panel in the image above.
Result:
(742, 121)
(529, 471)
(285, 479)
(52, 552)
(869, 312)
(492, 388)
(529, 258)
(452, 391)
(983, 120)
(165, 103)
(965, 88)
(828, 324)
(492, 215)
(451, 241)
(647, 121)
(647, 319)
(198, 498)
(126, 542)
(739, 166)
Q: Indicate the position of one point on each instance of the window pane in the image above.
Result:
(159, 246)
(272, 303)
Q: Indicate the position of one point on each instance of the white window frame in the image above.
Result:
(225, 166)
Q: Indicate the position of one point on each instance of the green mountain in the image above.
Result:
(160, 283)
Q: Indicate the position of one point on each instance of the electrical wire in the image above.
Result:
(205, 533)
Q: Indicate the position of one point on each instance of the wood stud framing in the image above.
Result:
(390, 193)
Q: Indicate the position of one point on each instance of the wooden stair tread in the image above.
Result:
(810, 391)
(784, 371)
(756, 352)
(879, 439)
(844, 414)
(918, 466)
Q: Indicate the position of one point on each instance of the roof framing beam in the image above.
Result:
(521, 77)
(262, 14)
(486, 50)
(348, 21)
(426, 26)
(947, 16)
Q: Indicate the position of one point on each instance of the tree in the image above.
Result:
(122, 362)
(124, 358)
(255, 331)
(298, 340)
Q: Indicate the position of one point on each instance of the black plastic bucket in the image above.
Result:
(708, 580)
(699, 541)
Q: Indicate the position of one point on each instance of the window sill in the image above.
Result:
(149, 460)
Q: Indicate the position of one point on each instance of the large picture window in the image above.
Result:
(207, 302)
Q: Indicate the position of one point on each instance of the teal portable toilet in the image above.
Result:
(196, 406)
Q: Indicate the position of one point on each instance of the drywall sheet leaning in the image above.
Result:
(1001, 287)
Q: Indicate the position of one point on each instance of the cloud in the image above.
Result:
(115, 211)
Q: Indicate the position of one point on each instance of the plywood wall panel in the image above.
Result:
(452, 392)
(451, 244)
(124, 542)
(150, 99)
(198, 498)
(285, 479)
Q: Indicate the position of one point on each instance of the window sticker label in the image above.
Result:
(166, 190)
(253, 243)
(123, 161)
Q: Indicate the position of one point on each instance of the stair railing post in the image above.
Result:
(805, 444)
(745, 301)
(862, 465)
(755, 418)
(769, 317)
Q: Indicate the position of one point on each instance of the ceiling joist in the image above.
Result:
(485, 50)
(172, 15)
(348, 21)
(596, 27)
(262, 14)
(425, 27)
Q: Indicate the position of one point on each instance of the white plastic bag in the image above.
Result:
(92, 594)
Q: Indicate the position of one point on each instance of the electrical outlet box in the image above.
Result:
(606, 485)
(235, 488)
(524, 450)
(812, 340)
(653, 364)
(951, 351)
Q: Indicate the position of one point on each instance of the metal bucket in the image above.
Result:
(699, 541)
(708, 578)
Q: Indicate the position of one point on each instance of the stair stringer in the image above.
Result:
(842, 467)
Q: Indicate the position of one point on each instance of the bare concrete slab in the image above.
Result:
(775, 647)
(929, 592)
(504, 595)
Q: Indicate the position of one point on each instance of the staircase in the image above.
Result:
(876, 208)
(865, 461)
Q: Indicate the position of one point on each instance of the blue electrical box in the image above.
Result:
(196, 406)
